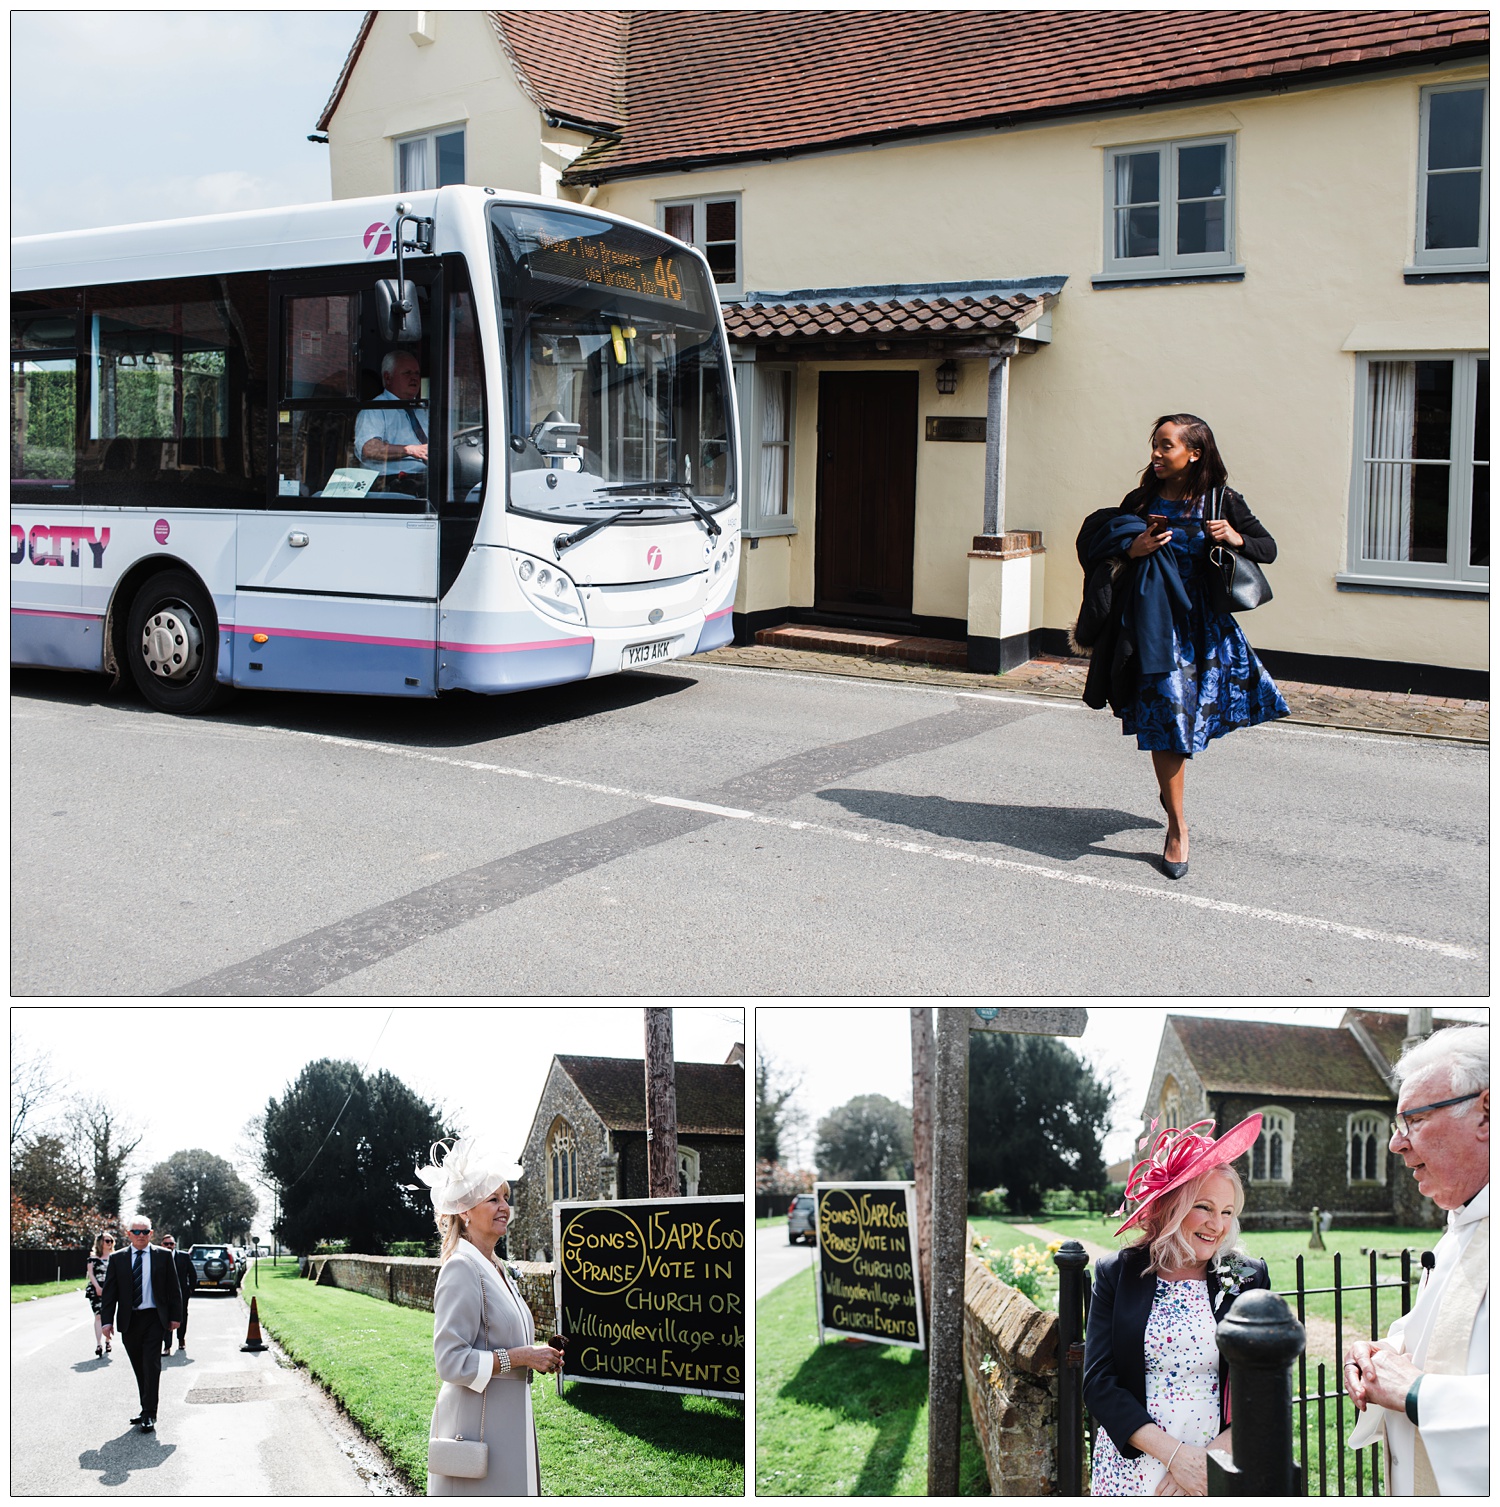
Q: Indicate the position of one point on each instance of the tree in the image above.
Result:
(103, 1143)
(32, 1088)
(45, 1171)
(342, 1150)
(1038, 1115)
(866, 1140)
(197, 1196)
(776, 1115)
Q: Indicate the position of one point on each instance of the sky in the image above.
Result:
(190, 1076)
(121, 116)
(841, 1051)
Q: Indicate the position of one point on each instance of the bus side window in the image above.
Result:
(466, 428)
(43, 397)
(172, 400)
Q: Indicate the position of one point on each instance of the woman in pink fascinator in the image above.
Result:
(1152, 1374)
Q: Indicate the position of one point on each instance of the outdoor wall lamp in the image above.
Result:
(947, 378)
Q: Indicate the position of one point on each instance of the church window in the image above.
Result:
(562, 1156)
(1271, 1156)
(1367, 1148)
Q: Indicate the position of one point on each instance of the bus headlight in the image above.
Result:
(547, 587)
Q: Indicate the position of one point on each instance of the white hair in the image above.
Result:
(144, 1219)
(1464, 1051)
(389, 360)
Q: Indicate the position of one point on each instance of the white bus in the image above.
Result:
(464, 440)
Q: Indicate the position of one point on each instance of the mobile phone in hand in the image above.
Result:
(1156, 523)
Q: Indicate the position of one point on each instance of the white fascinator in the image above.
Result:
(460, 1174)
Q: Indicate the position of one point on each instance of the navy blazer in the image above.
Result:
(1114, 1351)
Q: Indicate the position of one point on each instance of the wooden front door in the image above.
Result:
(867, 492)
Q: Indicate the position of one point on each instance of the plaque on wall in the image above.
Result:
(969, 430)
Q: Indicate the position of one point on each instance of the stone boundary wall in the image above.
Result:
(1010, 1369)
(409, 1281)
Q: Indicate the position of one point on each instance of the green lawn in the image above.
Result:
(841, 1419)
(376, 1358)
(46, 1290)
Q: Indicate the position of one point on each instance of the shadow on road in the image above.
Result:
(456, 720)
(118, 1458)
(1062, 833)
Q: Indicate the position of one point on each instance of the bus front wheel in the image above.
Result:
(172, 642)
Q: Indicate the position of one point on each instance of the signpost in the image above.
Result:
(950, 1190)
(651, 1293)
(867, 1280)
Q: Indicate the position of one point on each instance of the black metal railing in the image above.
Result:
(1268, 1396)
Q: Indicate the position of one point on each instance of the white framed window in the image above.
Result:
(1453, 180)
(687, 1172)
(1419, 514)
(1367, 1142)
(1169, 207)
(712, 224)
(1271, 1155)
(1171, 1104)
(767, 395)
(433, 159)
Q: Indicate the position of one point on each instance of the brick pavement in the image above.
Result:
(1048, 675)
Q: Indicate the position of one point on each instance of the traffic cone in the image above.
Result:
(253, 1340)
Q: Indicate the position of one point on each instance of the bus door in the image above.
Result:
(337, 580)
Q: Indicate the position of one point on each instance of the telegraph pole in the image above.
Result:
(661, 1106)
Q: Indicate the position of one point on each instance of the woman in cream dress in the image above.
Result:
(483, 1341)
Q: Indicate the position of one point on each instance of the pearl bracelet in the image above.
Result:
(503, 1357)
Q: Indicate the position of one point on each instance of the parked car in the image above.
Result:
(802, 1220)
(216, 1267)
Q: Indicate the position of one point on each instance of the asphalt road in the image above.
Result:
(776, 1261)
(707, 829)
(231, 1424)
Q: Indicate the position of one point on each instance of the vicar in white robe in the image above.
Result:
(1425, 1387)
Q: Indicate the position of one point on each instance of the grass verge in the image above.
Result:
(841, 1419)
(46, 1290)
(376, 1359)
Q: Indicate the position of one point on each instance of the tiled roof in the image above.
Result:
(718, 84)
(572, 63)
(342, 81)
(710, 1095)
(1387, 1028)
(891, 311)
(1258, 1057)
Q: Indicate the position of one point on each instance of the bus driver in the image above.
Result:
(391, 440)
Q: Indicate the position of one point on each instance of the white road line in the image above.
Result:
(951, 855)
(1061, 704)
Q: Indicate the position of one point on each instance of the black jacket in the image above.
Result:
(1112, 674)
(187, 1274)
(1114, 1351)
(119, 1290)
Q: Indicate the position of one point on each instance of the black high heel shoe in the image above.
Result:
(98, 1350)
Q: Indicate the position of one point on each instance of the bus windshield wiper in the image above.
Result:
(680, 488)
(567, 541)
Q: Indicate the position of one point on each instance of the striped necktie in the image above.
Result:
(135, 1279)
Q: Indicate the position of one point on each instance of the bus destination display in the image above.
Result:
(868, 1283)
(651, 1293)
(610, 261)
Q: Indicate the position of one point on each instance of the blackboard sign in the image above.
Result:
(867, 1282)
(651, 1293)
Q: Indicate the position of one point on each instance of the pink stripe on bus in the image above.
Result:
(555, 643)
(81, 617)
(339, 638)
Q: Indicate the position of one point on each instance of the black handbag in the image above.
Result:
(1235, 584)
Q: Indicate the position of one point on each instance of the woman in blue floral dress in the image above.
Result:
(1152, 1374)
(1203, 679)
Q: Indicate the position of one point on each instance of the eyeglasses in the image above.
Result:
(1402, 1124)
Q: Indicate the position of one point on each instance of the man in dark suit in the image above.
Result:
(187, 1280)
(142, 1284)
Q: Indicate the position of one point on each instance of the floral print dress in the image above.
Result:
(1182, 1387)
(1217, 684)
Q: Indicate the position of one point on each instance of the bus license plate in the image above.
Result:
(646, 654)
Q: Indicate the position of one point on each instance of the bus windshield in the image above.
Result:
(618, 387)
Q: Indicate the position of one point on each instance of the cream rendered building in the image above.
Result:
(1076, 221)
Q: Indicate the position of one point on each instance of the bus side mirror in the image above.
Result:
(397, 313)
